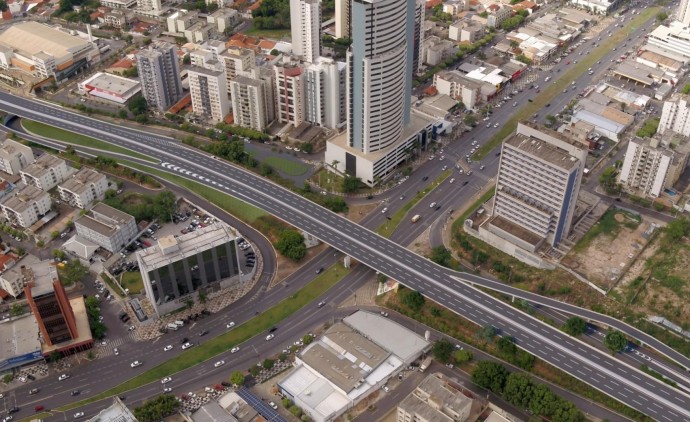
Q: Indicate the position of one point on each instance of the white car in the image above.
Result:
(167, 389)
(187, 345)
(273, 405)
(451, 181)
(229, 325)
(78, 415)
(384, 210)
(386, 389)
(433, 204)
(117, 352)
(269, 337)
(299, 343)
(63, 377)
(168, 347)
(496, 125)
(219, 363)
(135, 364)
(166, 380)
(235, 349)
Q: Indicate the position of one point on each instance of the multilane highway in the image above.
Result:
(450, 289)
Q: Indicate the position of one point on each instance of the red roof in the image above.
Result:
(4, 294)
(124, 63)
(267, 45)
(432, 3)
(5, 259)
(7, 15)
(184, 102)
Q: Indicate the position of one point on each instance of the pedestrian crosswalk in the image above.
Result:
(110, 345)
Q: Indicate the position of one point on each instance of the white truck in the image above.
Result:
(425, 364)
(173, 327)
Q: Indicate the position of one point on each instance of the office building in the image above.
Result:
(46, 172)
(252, 102)
(325, 89)
(44, 51)
(159, 73)
(342, 19)
(290, 101)
(674, 38)
(305, 24)
(86, 186)
(176, 268)
(14, 156)
(107, 227)
(537, 186)
(381, 131)
(25, 206)
(209, 92)
(436, 399)
(683, 12)
(600, 7)
(675, 115)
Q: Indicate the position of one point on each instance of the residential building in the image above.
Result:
(181, 20)
(674, 38)
(380, 128)
(159, 73)
(107, 227)
(645, 167)
(459, 87)
(453, 7)
(44, 51)
(324, 87)
(466, 31)
(209, 91)
(342, 19)
(149, 6)
(436, 399)
(224, 19)
(305, 24)
(25, 206)
(290, 101)
(544, 207)
(177, 267)
(201, 32)
(46, 172)
(119, 4)
(11, 281)
(377, 349)
(221, 3)
(418, 37)
(683, 12)
(435, 50)
(14, 156)
(86, 186)
(675, 115)
(238, 61)
(252, 102)
(117, 18)
(497, 14)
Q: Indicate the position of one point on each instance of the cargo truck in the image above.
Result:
(425, 364)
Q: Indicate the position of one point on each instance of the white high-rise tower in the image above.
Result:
(683, 13)
(305, 21)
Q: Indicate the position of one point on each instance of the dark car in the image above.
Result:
(31, 377)
(74, 393)
(425, 178)
(438, 207)
(184, 340)
(33, 391)
(272, 329)
(226, 384)
(319, 271)
(14, 409)
(203, 333)
(465, 182)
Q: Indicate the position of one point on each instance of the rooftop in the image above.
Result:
(42, 165)
(204, 71)
(19, 337)
(101, 210)
(543, 150)
(31, 38)
(83, 328)
(515, 230)
(170, 249)
(117, 412)
(23, 198)
(40, 276)
(82, 181)
(112, 84)
(434, 398)
(11, 148)
(98, 226)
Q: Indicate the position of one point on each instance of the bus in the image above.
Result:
(416, 218)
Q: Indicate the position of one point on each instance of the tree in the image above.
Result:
(442, 350)
(237, 378)
(72, 272)
(506, 347)
(677, 229)
(607, 179)
(470, 120)
(268, 364)
(462, 356)
(411, 298)
(441, 256)
(487, 333)
(490, 375)
(649, 128)
(3, 5)
(551, 118)
(518, 389)
(306, 147)
(661, 16)
(291, 244)
(138, 105)
(16, 309)
(164, 205)
(54, 234)
(157, 408)
(543, 401)
(351, 184)
(615, 341)
(575, 326)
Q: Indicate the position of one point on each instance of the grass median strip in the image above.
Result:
(388, 228)
(255, 326)
(47, 131)
(573, 72)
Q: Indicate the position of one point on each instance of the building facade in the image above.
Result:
(290, 95)
(342, 19)
(25, 206)
(305, 24)
(209, 91)
(645, 167)
(14, 156)
(324, 86)
(159, 73)
(675, 115)
(674, 38)
(46, 172)
(86, 186)
(107, 227)
(252, 102)
(176, 268)
(683, 12)
(554, 166)
(436, 399)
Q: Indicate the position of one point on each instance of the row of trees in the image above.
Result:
(519, 390)
(272, 14)
(649, 128)
(157, 409)
(93, 310)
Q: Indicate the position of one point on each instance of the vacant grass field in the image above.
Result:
(132, 280)
(573, 72)
(274, 34)
(289, 167)
(68, 137)
(608, 226)
(210, 349)
(388, 228)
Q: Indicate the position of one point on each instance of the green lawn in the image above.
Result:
(113, 285)
(208, 350)
(240, 209)
(132, 281)
(388, 228)
(289, 167)
(68, 137)
(574, 71)
(274, 34)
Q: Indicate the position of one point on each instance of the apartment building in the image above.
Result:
(675, 115)
(159, 72)
(11, 280)
(252, 102)
(290, 98)
(209, 92)
(84, 187)
(46, 172)
(305, 24)
(25, 206)
(459, 87)
(107, 227)
(238, 61)
(325, 85)
(14, 156)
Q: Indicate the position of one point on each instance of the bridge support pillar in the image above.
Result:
(347, 261)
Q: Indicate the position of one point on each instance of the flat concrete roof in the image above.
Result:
(23, 198)
(117, 412)
(31, 38)
(106, 210)
(42, 165)
(117, 85)
(543, 150)
(42, 274)
(82, 180)
(515, 230)
(18, 337)
(96, 225)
